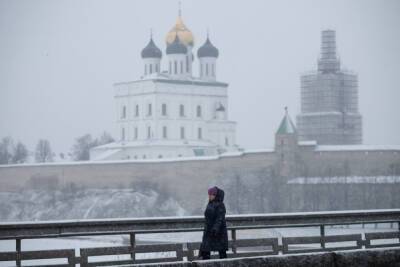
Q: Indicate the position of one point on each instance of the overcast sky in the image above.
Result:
(59, 59)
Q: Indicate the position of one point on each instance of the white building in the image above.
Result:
(171, 113)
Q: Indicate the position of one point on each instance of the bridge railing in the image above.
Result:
(188, 250)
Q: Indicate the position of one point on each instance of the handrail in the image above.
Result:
(23, 230)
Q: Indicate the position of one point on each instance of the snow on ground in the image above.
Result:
(42, 205)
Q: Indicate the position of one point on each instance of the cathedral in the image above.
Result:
(172, 113)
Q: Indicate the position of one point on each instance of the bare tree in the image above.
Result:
(6, 150)
(105, 138)
(43, 151)
(82, 146)
(20, 153)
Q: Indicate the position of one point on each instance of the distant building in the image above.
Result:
(329, 101)
(171, 113)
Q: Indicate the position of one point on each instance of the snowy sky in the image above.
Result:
(59, 59)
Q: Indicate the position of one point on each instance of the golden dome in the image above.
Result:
(184, 34)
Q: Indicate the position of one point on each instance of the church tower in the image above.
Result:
(207, 55)
(180, 42)
(151, 56)
(286, 145)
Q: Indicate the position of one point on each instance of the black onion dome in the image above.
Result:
(151, 50)
(176, 47)
(207, 50)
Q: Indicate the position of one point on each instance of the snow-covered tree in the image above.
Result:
(20, 153)
(6, 150)
(82, 146)
(43, 151)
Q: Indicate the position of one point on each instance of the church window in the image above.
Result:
(226, 141)
(201, 70)
(182, 110)
(151, 68)
(156, 67)
(198, 111)
(181, 67)
(206, 69)
(137, 111)
(165, 133)
(123, 114)
(199, 133)
(170, 67)
(136, 133)
(182, 132)
(149, 110)
(145, 69)
(164, 109)
(175, 67)
(187, 63)
(123, 134)
(148, 132)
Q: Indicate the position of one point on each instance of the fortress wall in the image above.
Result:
(186, 180)
(367, 163)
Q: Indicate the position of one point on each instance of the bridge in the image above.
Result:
(185, 253)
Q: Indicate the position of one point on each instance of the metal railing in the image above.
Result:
(188, 250)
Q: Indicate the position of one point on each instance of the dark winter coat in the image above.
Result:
(215, 235)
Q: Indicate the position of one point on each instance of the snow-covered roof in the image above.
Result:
(307, 143)
(107, 153)
(155, 142)
(177, 159)
(356, 147)
(346, 180)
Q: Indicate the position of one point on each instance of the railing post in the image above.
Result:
(234, 241)
(18, 249)
(132, 240)
(322, 232)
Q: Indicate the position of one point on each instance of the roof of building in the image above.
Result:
(220, 108)
(207, 50)
(286, 126)
(176, 47)
(151, 50)
(180, 30)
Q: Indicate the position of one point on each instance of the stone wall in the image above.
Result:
(243, 176)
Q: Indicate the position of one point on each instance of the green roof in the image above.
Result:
(286, 126)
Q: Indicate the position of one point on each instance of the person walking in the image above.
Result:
(215, 234)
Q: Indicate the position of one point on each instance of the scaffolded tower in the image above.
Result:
(329, 100)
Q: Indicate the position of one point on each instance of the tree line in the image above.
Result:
(12, 152)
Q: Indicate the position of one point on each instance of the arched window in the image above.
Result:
(136, 133)
(123, 113)
(164, 109)
(123, 134)
(182, 110)
(151, 68)
(145, 69)
(201, 70)
(206, 69)
(156, 68)
(181, 67)
(148, 132)
(170, 68)
(149, 109)
(175, 67)
(182, 132)
(165, 133)
(137, 110)
(198, 111)
(199, 133)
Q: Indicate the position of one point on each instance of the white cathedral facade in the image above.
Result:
(172, 113)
